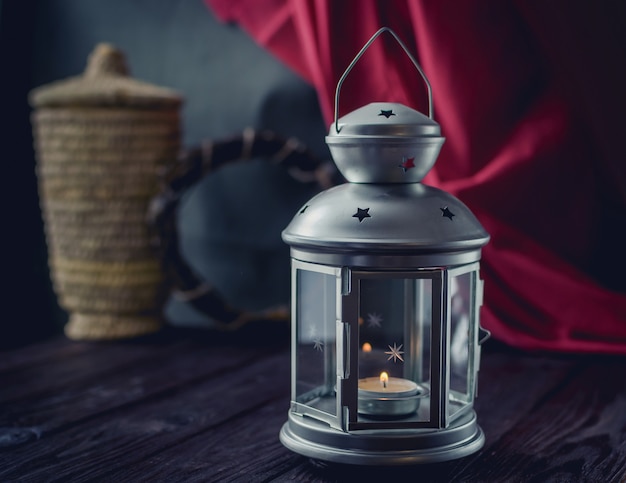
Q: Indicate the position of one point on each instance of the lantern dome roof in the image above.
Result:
(389, 218)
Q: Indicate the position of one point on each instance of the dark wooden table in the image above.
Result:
(199, 406)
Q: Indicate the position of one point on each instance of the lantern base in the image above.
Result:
(318, 441)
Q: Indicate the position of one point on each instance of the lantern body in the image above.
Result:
(393, 325)
(386, 298)
(375, 305)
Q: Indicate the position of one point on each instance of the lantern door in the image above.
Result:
(395, 357)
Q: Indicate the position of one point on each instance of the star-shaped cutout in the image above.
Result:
(407, 163)
(395, 353)
(387, 113)
(446, 212)
(374, 320)
(361, 214)
(318, 345)
(304, 209)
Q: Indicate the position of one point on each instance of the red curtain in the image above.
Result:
(530, 98)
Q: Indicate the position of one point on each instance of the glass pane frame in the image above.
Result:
(438, 354)
(473, 355)
(334, 420)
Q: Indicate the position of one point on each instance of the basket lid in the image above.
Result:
(105, 82)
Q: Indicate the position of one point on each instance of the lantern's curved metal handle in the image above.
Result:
(358, 56)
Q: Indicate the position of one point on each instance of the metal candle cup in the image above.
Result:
(390, 396)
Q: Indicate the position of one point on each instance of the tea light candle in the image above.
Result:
(385, 386)
(388, 396)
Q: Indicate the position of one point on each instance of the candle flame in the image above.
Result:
(384, 377)
(367, 347)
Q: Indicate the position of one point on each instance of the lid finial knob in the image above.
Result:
(106, 59)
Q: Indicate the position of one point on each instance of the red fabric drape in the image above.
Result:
(530, 99)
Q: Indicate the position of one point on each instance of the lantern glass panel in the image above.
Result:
(462, 334)
(395, 336)
(315, 363)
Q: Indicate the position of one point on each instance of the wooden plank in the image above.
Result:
(125, 437)
(132, 381)
(27, 383)
(51, 349)
(88, 361)
(245, 447)
(135, 370)
(578, 433)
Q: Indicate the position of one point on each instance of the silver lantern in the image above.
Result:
(386, 297)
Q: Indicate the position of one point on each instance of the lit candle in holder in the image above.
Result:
(388, 396)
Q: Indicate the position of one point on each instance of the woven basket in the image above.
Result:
(101, 141)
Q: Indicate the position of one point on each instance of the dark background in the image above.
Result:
(231, 222)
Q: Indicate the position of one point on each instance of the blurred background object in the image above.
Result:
(102, 142)
(230, 223)
(529, 97)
